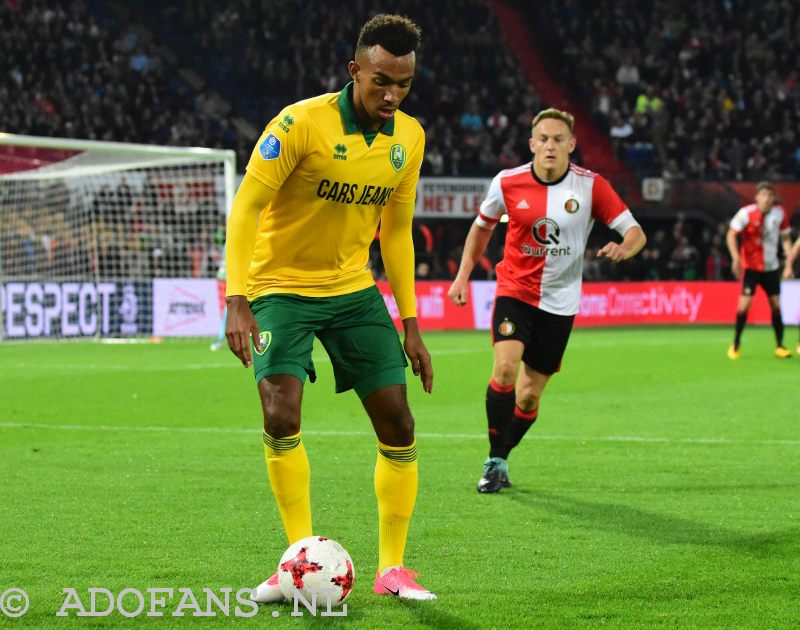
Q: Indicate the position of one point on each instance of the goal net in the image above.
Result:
(102, 239)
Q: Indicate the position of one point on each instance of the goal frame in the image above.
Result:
(150, 156)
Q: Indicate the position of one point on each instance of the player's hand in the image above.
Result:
(418, 354)
(788, 272)
(241, 325)
(458, 292)
(612, 251)
(736, 268)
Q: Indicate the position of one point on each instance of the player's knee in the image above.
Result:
(404, 425)
(396, 428)
(527, 400)
(505, 372)
(281, 418)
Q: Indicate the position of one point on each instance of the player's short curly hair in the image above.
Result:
(558, 114)
(395, 33)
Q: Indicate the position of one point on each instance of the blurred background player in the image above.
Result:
(761, 226)
(788, 272)
(324, 173)
(551, 206)
(220, 340)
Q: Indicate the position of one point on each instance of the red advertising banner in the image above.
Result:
(608, 304)
(434, 310)
(642, 303)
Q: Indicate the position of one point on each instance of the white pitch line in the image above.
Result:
(636, 439)
(233, 363)
(575, 344)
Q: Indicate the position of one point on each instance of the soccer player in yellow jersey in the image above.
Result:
(323, 175)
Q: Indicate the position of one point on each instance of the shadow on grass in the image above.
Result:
(285, 609)
(663, 528)
(432, 615)
(428, 614)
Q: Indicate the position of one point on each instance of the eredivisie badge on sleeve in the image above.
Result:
(397, 156)
(270, 148)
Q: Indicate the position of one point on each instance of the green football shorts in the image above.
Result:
(355, 330)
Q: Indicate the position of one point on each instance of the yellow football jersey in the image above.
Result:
(333, 180)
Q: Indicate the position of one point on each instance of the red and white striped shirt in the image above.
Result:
(760, 236)
(548, 226)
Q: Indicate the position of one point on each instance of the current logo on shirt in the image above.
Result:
(546, 231)
(270, 149)
(547, 234)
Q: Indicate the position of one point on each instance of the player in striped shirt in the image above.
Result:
(788, 270)
(761, 226)
(551, 206)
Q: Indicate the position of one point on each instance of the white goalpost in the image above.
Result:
(106, 239)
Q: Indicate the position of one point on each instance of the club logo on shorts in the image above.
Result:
(270, 149)
(572, 205)
(397, 156)
(506, 328)
(265, 338)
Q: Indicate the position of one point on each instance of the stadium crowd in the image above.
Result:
(670, 83)
(68, 72)
(81, 74)
(707, 90)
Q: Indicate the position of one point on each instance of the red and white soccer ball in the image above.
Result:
(317, 565)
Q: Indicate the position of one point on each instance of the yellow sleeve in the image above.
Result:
(397, 249)
(407, 190)
(251, 198)
(280, 148)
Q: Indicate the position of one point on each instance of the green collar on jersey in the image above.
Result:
(350, 121)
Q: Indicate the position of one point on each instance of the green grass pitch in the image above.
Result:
(660, 487)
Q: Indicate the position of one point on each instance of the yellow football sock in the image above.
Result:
(396, 479)
(290, 478)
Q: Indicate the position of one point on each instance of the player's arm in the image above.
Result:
(397, 250)
(492, 208)
(608, 207)
(732, 241)
(633, 241)
(474, 248)
(791, 258)
(251, 198)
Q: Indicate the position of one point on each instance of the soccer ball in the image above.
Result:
(317, 565)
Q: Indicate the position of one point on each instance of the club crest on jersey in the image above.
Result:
(270, 149)
(506, 328)
(572, 205)
(265, 338)
(397, 156)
